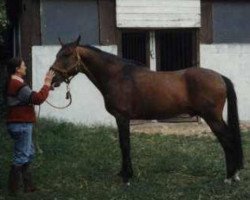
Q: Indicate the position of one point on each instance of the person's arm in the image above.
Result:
(28, 96)
(38, 98)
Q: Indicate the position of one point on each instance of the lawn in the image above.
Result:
(81, 163)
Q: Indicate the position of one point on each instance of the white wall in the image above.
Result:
(87, 106)
(233, 61)
(157, 13)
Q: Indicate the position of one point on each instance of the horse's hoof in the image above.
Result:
(236, 177)
(228, 181)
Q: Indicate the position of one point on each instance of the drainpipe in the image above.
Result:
(19, 39)
(14, 41)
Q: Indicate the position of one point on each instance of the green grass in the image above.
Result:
(81, 163)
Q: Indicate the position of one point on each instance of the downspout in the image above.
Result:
(19, 39)
(17, 52)
(14, 41)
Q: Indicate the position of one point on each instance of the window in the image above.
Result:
(231, 22)
(135, 46)
(176, 49)
(68, 20)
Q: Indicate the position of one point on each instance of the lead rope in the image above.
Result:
(68, 96)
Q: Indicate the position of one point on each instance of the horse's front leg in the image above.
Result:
(124, 138)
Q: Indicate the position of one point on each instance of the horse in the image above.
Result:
(131, 91)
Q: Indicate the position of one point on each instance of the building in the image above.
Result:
(162, 34)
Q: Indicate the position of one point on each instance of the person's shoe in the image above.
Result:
(27, 179)
(14, 179)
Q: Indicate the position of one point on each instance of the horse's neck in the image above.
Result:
(97, 68)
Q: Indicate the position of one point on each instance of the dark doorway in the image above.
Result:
(176, 49)
(135, 46)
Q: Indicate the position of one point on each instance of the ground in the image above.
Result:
(80, 162)
(186, 128)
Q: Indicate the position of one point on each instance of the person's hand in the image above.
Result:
(48, 78)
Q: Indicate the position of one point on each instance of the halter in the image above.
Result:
(77, 67)
(67, 78)
(74, 68)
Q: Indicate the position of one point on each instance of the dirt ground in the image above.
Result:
(185, 128)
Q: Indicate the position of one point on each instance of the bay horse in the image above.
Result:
(131, 91)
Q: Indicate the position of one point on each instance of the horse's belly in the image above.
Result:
(160, 107)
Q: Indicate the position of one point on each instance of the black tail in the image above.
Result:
(233, 120)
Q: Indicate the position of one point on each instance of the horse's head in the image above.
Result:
(67, 63)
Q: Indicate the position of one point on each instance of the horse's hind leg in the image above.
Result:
(226, 139)
(124, 138)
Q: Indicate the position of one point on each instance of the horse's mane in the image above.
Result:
(126, 62)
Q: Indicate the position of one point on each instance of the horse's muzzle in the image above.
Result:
(57, 79)
(56, 84)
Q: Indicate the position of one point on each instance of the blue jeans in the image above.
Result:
(24, 149)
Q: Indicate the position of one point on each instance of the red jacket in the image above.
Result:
(21, 100)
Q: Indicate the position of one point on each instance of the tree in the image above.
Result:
(3, 21)
(3, 57)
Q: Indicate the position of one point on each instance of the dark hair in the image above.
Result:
(12, 65)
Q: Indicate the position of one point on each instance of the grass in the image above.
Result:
(81, 163)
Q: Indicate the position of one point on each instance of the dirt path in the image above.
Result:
(191, 128)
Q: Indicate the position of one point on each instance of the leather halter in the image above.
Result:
(65, 73)
(79, 66)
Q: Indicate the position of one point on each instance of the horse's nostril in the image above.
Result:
(55, 84)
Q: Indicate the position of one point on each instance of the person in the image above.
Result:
(20, 118)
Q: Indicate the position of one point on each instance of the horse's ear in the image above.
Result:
(59, 39)
(77, 42)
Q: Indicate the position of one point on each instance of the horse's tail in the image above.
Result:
(233, 120)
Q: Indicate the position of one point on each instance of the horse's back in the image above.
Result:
(142, 93)
(160, 94)
(193, 90)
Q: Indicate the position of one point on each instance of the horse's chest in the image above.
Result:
(119, 101)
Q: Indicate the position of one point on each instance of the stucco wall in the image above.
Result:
(87, 106)
(233, 61)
